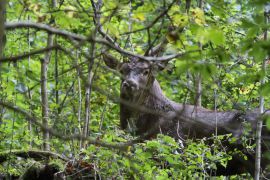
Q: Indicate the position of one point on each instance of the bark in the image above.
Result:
(44, 95)
(198, 77)
(2, 44)
(30, 125)
(260, 123)
(2, 22)
(188, 2)
(56, 81)
(30, 129)
(80, 100)
(88, 94)
(88, 90)
(198, 88)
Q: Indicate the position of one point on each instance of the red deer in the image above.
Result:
(145, 110)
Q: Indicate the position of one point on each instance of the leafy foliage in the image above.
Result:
(230, 58)
(161, 158)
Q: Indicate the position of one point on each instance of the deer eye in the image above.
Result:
(145, 72)
(124, 70)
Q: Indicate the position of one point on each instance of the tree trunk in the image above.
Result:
(44, 95)
(2, 45)
(57, 110)
(30, 127)
(198, 77)
(260, 122)
(198, 88)
(88, 90)
(88, 87)
(80, 100)
(2, 29)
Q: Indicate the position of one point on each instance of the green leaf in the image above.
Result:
(216, 36)
(32, 75)
(152, 144)
(247, 23)
(258, 52)
(252, 32)
(265, 89)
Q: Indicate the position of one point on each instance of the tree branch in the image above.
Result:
(26, 55)
(40, 26)
(22, 24)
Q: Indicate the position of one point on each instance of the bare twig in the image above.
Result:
(163, 13)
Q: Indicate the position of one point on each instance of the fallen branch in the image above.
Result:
(35, 154)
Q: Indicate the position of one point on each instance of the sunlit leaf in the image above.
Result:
(198, 16)
(139, 16)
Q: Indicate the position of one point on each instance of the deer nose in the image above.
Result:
(129, 84)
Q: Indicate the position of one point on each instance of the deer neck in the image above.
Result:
(156, 100)
(140, 117)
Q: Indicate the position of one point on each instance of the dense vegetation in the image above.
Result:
(57, 95)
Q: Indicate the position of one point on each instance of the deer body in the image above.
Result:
(146, 111)
(174, 119)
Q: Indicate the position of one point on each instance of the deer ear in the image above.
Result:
(160, 65)
(157, 50)
(110, 61)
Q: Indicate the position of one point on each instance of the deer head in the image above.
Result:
(135, 75)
